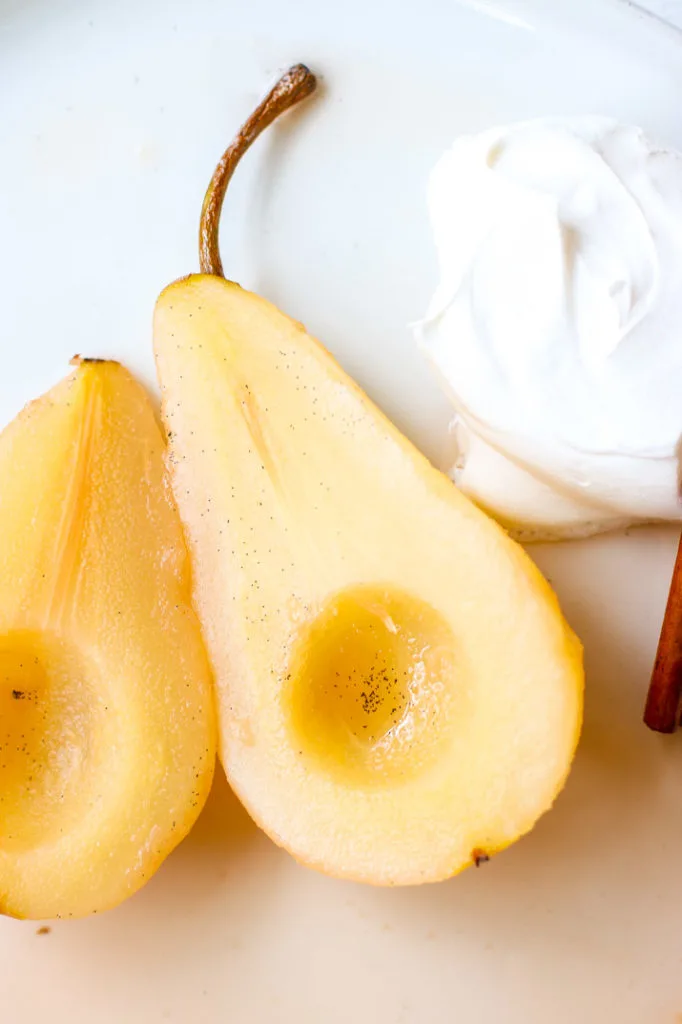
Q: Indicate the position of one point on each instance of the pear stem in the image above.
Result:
(294, 85)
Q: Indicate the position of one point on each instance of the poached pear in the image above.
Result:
(107, 724)
(398, 693)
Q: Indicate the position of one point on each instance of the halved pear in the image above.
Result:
(107, 725)
(399, 695)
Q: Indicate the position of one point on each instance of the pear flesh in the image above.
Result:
(107, 724)
(398, 693)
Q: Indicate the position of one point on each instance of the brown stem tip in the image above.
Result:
(662, 712)
(297, 83)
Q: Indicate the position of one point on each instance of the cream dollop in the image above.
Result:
(557, 323)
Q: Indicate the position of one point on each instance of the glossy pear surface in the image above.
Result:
(107, 732)
(398, 692)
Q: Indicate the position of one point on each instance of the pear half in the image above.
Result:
(399, 695)
(107, 724)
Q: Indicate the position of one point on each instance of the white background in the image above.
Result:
(671, 10)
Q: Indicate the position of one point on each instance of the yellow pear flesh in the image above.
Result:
(398, 692)
(107, 730)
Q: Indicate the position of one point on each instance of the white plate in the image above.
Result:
(111, 117)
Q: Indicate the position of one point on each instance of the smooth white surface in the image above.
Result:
(556, 322)
(112, 116)
(668, 10)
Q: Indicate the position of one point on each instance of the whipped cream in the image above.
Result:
(556, 327)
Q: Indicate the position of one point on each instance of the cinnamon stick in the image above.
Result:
(662, 711)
